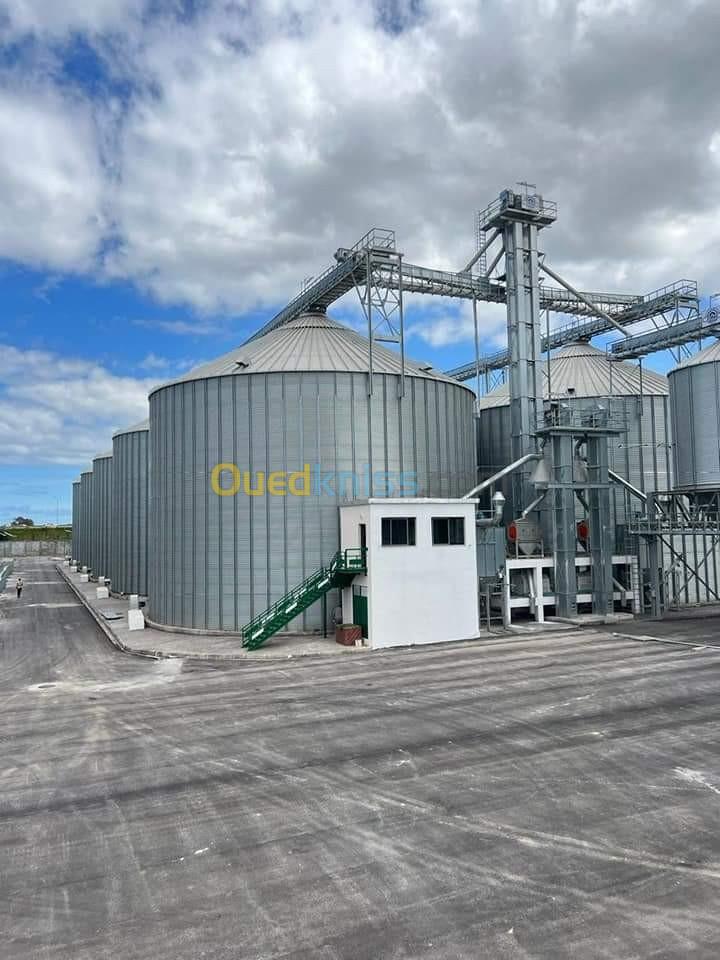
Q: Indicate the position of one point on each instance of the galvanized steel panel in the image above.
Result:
(215, 562)
(695, 404)
(86, 506)
(130, 500)
(101, 531)
(76, 521)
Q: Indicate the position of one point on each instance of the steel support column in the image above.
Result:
(601, 534)
(563, 502)
(523, 322)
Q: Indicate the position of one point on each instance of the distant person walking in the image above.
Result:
(18, 586)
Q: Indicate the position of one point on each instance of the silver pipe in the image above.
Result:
(490, 240)
(497, 516)
(501, 473)
(583, 299)
(496, 261)
(534, 505)
(616, 478)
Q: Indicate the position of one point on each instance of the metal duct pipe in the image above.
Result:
(496, 261)
(501, 473)
(498, 510)
(616, 478)
(533, 506)
(488, 243)
(583, 299)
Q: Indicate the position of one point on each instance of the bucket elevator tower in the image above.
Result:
(517, 218)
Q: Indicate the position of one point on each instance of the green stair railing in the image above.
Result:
(344, 565)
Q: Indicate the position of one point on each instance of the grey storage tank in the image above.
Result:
(76, 521)
(102, 513)
(296, 401)
(130, 499)
(695, 403)
(580, 373)
(85, 557)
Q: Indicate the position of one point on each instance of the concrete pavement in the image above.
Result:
(552, 797)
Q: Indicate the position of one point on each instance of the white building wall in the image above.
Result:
(416, 594)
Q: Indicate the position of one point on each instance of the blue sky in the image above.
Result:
(171, 171)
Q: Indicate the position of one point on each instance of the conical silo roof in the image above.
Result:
(581, 370)
(312, 343)
(710, 354)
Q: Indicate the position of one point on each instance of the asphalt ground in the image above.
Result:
(549, 797)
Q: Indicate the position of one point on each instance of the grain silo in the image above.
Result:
(579, 374)
(76, 521)
(299, 402)
(129, 547)
(102, 513)
(85, 557)
(695, 404)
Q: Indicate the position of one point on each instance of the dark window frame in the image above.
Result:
(398, 532)
(448, 531)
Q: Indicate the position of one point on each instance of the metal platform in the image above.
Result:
(664, 338)
(379, 248)
(682, 295)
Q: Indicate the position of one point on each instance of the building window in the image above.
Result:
(398, 531)
(448, 530)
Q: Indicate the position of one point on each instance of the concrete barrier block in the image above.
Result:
(84, 577)
(136, 620)
(134, 602)
(102, 593)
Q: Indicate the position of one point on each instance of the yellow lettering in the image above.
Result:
(276, 483)
(301, 475)
(215, 480)
(259, 480)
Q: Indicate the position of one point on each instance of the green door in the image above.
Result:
(360, 613)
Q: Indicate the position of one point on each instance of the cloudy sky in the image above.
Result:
(171, 170)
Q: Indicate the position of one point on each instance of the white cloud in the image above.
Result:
(57, 19)
(153, 362)
(259, 137)
(59, 410)
(51, 184)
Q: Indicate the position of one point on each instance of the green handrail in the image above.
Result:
(349, 562)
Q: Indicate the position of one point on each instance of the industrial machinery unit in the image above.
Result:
(295, 425)
(130, 510)
(251, 455)
(578, 378)
(102, 513)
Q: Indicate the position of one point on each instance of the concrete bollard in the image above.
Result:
(134, 602)
(102, 593)
(84, 577)
(136, 620)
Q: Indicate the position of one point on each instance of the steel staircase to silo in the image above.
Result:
(343, 567)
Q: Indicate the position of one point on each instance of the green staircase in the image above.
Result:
(345, 565)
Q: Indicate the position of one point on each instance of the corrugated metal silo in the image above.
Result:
(102, 513)
(695, 404)
(86, 517)
(129, 549)
(76, 521)
(297, 396)
(579, 373)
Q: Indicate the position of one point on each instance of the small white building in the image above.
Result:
(421, 584)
